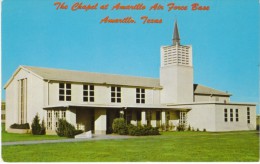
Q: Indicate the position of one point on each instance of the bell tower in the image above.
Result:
(176, 72)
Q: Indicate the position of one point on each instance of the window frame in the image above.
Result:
(248, 115)
(237, 115)
(226, 115)
(88, 93)
(231, 114)
(116, 94)
(65, 91)
(140, 96)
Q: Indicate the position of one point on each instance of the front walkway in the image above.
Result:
(95, 137)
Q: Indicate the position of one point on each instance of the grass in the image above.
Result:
(168, 147)
(11, 137)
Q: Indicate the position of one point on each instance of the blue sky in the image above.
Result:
(225, 40)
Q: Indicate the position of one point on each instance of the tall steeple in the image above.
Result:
(176, 38)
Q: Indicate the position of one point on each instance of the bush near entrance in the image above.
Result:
(119, 127)
(65, 129)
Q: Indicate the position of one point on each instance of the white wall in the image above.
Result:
(177, 82)
(202, 117)
(207, 98)
(211, 117)
(35, 98)
(242, 124)
(102, 95)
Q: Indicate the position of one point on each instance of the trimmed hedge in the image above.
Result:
(142, 130)
(20, 126)
(119, 126)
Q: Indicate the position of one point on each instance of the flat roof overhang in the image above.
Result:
(122, 106)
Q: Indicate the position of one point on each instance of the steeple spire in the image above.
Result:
(176, 38)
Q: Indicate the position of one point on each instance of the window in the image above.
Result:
(231, 115)
(56, 117)
(225, 115)
(183, 118)
(64, 91)
(115, 94)
(49, 119)
(248, 115)
(22, 101)
(237, 116)
(53, 117)
(88, 93)
(63, 115)
(140, 95)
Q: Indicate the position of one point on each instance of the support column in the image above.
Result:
(163, 118)
(71, 116)
(100, 121)
(143, 118)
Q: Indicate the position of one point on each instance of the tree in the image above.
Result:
(36, 127)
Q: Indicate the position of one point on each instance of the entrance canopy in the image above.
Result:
(119, 106)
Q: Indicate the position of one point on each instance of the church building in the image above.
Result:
(91, 101)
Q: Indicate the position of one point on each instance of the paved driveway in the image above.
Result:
(95, 137)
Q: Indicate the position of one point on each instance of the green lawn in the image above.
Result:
(168, 147)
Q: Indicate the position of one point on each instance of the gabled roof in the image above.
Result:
(95, 78)
(203, 90)
(100, 78)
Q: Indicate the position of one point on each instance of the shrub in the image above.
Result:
(142, 130)
(162, 127)
(119, 126)
(76, 132)
(20, 126)
(171, 126)
(36, 126)
(65, 129)
(43, 128)
(181, 127)
(204, 130)
(198, 130)
(189, 128)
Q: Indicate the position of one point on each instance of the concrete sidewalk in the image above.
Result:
(95, 137)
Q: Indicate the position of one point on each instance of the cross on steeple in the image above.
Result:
(176, 38)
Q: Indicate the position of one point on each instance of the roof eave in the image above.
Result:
(15, 73)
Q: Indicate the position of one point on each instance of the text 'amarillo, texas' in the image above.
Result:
(140, 6)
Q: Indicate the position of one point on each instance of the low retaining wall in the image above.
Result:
(19, 131)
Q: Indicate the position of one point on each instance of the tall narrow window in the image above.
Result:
(231, 115)
(63, 114)
(56, 117)
(248, 115)
(115, 94)
(88, 93)
(183, 118)
(64, 91)
(237, 116)
(140, 95)
(49, 119)
(22, 101)
(225, 115)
